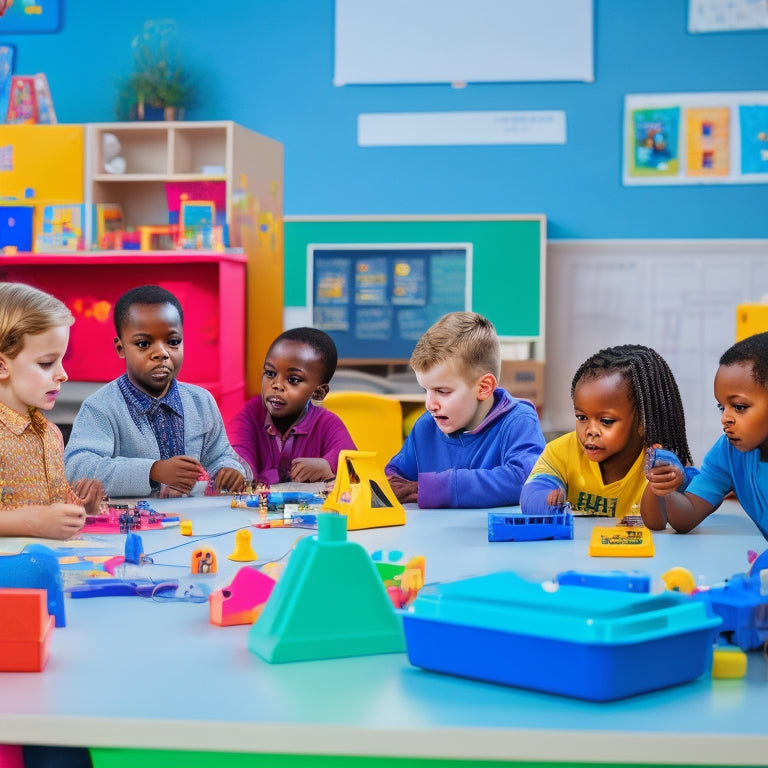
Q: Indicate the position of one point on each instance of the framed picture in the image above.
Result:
(196, 221)
(43, 16)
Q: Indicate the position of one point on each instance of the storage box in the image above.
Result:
(16, 226)
(587, 643)
(751, 319)
(524, 379)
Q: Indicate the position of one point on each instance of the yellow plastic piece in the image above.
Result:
(374, 421)
(679, 579)
(243, 551)
(185, 527)
(617, 541)
(729, 663)
(751, 319)
(363, 494)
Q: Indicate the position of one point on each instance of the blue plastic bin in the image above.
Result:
(587, 643)
(16, 226)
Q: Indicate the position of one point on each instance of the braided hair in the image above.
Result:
(653, 391)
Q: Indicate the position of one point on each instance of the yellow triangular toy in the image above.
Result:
(362, 493)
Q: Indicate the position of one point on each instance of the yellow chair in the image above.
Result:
(374, 421)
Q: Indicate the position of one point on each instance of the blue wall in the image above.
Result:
(268, 64)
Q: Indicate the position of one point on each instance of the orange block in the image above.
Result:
(25, 630)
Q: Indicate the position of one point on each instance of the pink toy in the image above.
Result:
(243, 600)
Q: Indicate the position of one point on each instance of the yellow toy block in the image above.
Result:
(618, 541)
(729, 663)
(362, 493)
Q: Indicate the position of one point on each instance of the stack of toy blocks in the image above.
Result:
(25, 630)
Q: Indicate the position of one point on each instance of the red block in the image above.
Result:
(25, 630)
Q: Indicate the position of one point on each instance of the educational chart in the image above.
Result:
(726, 15)
(696, 138)
(375, 283)
(385, 296)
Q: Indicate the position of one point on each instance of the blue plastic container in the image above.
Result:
(587, 643)
(517, 526)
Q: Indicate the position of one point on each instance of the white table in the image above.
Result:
(130, 673)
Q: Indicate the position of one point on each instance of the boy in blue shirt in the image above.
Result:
(145, 433)
(737, 462)
(476, 444)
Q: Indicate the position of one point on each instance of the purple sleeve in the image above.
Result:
(336, 438)
(498, 486)
(242, 430)
(533, 497)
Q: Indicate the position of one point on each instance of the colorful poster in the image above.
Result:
(331, 294)
(371, 281)
(708, 135)
(655, 135)
(722, 138)
(753, 121)
(27, 16)
(6, 71)
(410, 282)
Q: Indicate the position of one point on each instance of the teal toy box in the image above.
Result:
(582, 642)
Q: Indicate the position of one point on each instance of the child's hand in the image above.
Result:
(91, 492)
(310, 470)
(178, 472)
(58, 521)
(556, 497)
(665, 475)
(229, 480)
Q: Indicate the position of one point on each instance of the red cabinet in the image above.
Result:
(210, 286)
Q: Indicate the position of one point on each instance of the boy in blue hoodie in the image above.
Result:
(476, 444)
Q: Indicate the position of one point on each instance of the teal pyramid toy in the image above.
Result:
(329, 603)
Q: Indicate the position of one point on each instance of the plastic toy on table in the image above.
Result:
(363, 493)
(402, 578)
(330, 603)
(622, 581)
(621, 541)
(243, 600)
(586, 643)
(518, 526)
(742, 603)
(37, 567)
(25, 630)
(123, 518)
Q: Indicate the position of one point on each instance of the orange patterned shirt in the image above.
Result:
(31, 461)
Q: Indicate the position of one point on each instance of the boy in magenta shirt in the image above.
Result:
(280, 433)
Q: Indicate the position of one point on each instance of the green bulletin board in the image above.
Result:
(508, 259)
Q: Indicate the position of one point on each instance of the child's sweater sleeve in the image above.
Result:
(497, 486)
(94, 449)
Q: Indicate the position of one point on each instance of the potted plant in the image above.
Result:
(159, 87)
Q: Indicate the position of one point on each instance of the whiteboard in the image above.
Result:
(463, 41)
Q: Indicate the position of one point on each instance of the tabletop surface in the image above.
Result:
(131, 672)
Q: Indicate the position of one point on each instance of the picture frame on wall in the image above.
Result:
(19, 17)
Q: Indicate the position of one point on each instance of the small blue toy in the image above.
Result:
(620, 581)
(742, 603)
(37, 567)
(517, 526)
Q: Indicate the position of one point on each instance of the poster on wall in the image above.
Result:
(31, 16)
(376, 300)
(726, 15)
(696, 138)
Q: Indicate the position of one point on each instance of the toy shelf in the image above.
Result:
(209, 285)
(239, 170)
(250, 168)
